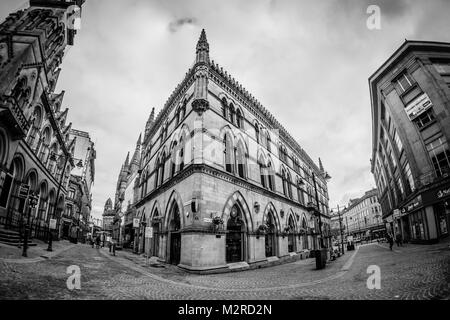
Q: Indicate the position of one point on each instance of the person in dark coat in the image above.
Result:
(390, 240)
(398, 239)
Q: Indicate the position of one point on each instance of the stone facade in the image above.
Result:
(410, 98)
(363, 216)
(221, 183)
(35, 148)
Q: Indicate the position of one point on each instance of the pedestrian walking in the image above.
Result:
(398, 239)
(391, 241)
(97, 241)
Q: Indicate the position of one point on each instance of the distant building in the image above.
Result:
(108, 216)
(410, 95)
(363, 216)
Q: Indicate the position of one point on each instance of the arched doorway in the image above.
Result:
(156, 225)
(305, 234)
(235, 237)
(291, 235)
(174, 234)
(270, 237)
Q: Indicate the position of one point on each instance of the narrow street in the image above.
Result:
(410, 272)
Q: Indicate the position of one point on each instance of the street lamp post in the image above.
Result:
(31, 205)
(340, 227)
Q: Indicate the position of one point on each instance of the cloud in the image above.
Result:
(174, 26)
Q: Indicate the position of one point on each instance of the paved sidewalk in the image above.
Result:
(301, 273)
(13, 254)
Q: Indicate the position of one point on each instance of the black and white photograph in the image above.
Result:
(235, 151)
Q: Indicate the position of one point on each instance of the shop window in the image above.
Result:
(440, 155)
(442, 212)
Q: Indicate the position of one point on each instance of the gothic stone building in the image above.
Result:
(222, 184)
(35, 148)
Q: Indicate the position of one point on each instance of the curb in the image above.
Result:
(43, 257)
(134, 266)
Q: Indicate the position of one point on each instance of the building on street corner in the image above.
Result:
(410, 96)
(36, 149)
(219, 180)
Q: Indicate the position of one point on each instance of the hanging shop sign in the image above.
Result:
(135, 222)
(418, 106)
(52, 224)
(148, 232)
(443, 193)
(412, 205)
(24, 191)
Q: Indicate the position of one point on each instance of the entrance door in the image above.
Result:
(270, 236)
(175, 247)
(175, 235)
(155, 240)
(234, 240)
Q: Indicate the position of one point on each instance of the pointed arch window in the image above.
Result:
(268, 142)
(241, 161)
(173, 159)
(232, 113)
(177, 116)
(181, 153)
(271, 176)
(162, 167)
(239, 118)
(183, 110)
(257, 132)
(262, 173)
(157, 165)
(224, 108)
(289, 185)
(300, 196)
(283, 178)
(228, 152)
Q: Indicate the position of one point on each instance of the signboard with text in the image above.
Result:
(24, 191)
(148, 232)
(418, 106)
(52, 224)
(135, 222)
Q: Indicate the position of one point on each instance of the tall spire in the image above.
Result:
(200, 103)
(138, 143)
(127, 160)
(149, 124)
(202, 49)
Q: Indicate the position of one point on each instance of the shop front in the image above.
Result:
(438, 201)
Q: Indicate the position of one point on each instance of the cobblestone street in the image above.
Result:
(411, 272)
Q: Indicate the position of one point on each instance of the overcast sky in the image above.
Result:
(307, 62)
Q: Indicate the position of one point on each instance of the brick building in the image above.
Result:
(35, 147)
(221, 183)
(410, 95)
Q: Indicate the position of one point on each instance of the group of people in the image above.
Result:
(398, 240)
(99, 241)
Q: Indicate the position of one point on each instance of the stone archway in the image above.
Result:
(235, 240)
(272, 222)
(291, 229)
(174, 234)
